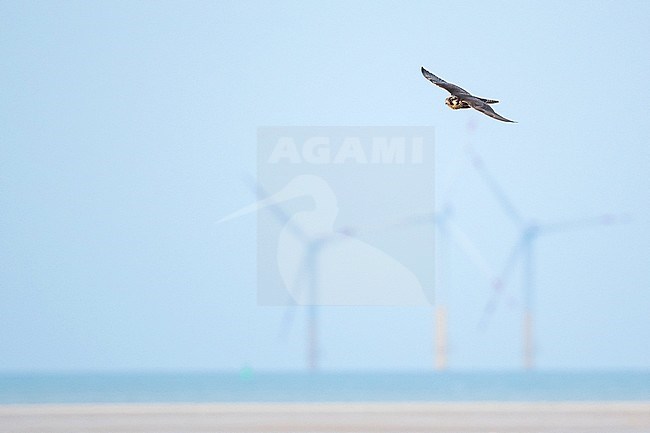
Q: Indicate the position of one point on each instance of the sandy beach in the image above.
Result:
(599, 417)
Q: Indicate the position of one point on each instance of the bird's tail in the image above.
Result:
(489, 101)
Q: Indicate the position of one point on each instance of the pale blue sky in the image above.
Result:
(125, 128)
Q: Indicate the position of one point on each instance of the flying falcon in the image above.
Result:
(461, 98)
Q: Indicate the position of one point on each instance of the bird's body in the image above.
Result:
(461, 98)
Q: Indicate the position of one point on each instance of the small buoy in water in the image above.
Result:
(246, 373)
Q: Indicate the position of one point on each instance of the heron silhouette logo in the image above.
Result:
(317, 188)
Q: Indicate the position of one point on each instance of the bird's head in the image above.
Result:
(453, 102)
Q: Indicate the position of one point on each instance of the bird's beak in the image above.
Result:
(287, 193)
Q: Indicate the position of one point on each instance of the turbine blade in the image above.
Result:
(280, 215)
(499, 284)
(304, 270)
(408, 221)
(583, 223)
(271, 201)
(496, 190)
(294, 294)
(414, 220)
(471, 250)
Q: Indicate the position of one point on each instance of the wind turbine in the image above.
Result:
(448, 231)
(524, 250)
(308, 269)
(304, 279)
(318, 268)
(447, 228)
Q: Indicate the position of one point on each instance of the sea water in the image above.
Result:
(248, 386)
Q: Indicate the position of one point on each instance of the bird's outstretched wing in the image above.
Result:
(451, 88)
(484, 108)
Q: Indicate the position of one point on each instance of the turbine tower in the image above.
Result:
(524, 250)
